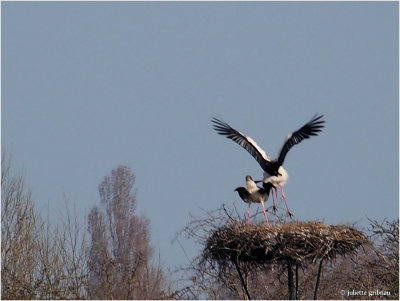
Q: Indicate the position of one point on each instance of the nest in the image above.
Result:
(298, 243)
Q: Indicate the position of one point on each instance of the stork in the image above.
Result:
(254, 194)
(274, 171)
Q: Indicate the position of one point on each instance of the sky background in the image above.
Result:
(89, 86)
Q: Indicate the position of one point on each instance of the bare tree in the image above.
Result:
(18, 237)
(38, 260)
(71, 255)
(120, 252)
(47, 260)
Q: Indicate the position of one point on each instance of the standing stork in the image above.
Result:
(274, 171)
(254, 194)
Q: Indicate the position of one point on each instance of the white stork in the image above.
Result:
(254, 194)
(274, 171)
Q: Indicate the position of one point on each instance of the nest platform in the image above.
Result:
(298, 242)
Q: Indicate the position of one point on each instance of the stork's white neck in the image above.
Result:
(283, 172)
(251, 186)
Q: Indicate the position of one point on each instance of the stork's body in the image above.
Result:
(273, 170)
(276, 181)
(254, 194)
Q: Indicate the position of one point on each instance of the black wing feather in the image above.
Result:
(225, 129)
(311, 128)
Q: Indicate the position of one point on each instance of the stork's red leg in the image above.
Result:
(273, 198)
(248, 216)
(265, 214)
(284, 199)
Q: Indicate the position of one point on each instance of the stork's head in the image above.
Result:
(249, 178)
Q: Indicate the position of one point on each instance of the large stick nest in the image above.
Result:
(298, 242)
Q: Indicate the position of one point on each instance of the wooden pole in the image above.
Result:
(297, 281)
(317, 282)
(241, 279)
(290, 280)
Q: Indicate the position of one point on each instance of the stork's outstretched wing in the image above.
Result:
(246, 142)
(311, 128)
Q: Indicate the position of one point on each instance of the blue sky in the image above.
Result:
(89, 86)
